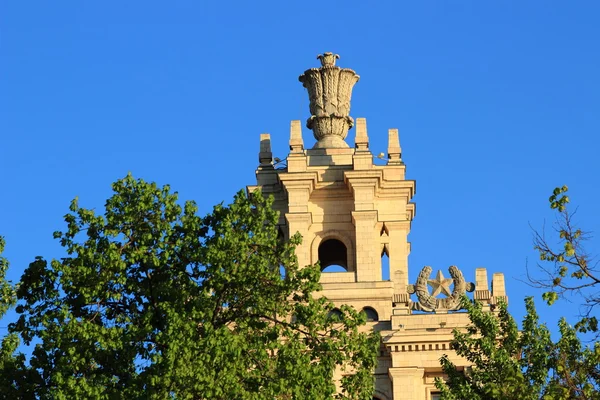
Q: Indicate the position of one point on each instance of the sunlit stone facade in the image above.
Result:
(351, 213)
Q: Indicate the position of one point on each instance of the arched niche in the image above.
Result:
(335, 314)
(329, 248)
(372, 315)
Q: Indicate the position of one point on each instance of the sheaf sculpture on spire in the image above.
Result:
(329, 92)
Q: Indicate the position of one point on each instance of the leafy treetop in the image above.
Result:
(153, 301)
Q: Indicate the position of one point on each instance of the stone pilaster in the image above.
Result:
(398, 251)
(301, 222)
(364, 217)
(407, 383)
(299, 187)
(364, 184)
(368, 258)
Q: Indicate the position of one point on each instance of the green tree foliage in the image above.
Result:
(8, 295)
(156, 302)
(508, 364)
(567, 268)
(512, 365)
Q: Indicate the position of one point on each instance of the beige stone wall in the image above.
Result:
(341, 194)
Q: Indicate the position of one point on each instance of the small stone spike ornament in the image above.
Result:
(329, 92)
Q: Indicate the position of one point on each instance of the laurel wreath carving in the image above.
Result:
(427, 302)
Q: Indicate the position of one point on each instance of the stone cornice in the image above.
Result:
(299, 180)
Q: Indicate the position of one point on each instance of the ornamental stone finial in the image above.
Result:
(328, 59)
(329, 92)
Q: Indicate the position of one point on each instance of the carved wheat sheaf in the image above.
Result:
(329, 91)
(315, 93)
(330, 79)
(347, 80)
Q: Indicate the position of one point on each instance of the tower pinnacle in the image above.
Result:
(329, 92)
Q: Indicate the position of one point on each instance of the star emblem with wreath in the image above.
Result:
(440, 284)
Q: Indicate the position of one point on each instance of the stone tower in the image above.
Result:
(351, 213)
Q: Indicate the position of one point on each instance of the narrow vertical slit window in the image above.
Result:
(385, 264)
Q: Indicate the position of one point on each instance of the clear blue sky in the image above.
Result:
(496, 102)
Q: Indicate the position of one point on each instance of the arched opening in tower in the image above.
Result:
(333, 256)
